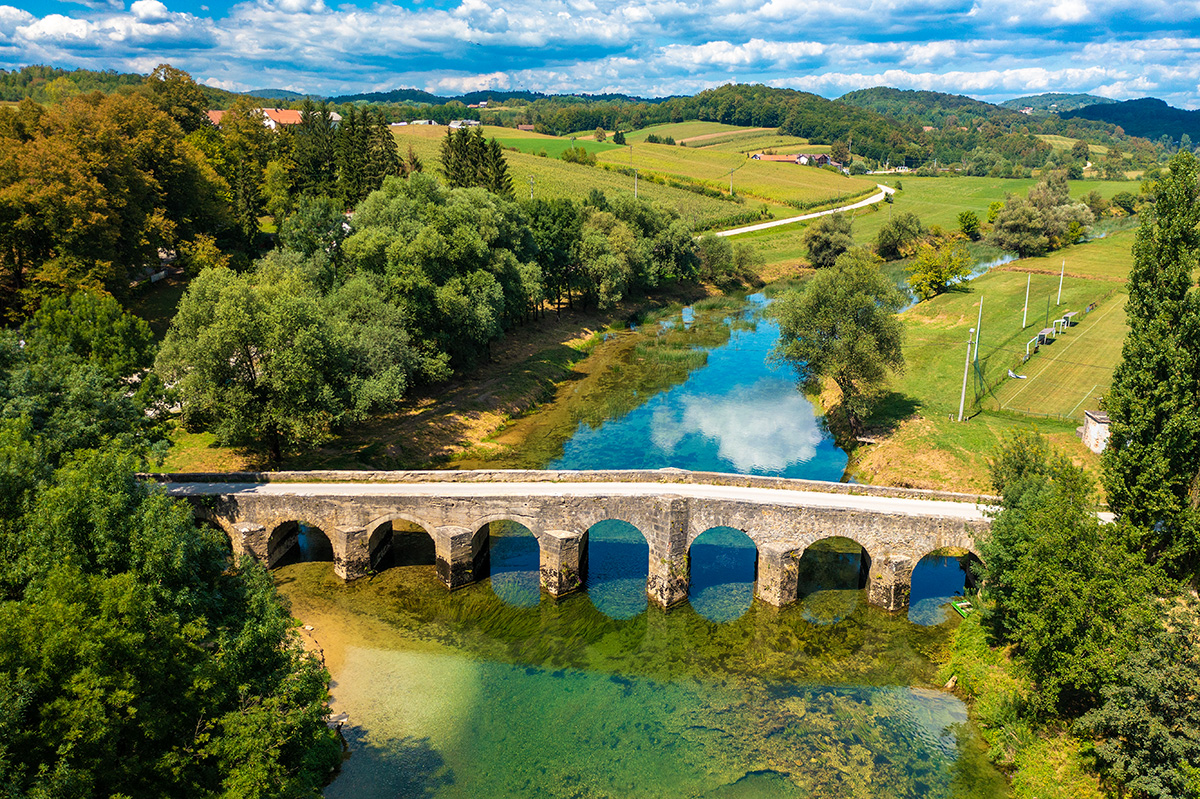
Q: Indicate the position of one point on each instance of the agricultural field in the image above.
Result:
(1065, 143)
(553, 177)
(682, 130)
(763, 142)
(763, 180)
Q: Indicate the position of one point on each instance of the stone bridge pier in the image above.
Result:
(262, 521)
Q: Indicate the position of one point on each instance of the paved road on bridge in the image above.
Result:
(766, 496)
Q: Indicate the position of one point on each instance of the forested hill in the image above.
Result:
(44, 84)
(471, 98)
(926, 108)
(1149, 118)
(1055, 101)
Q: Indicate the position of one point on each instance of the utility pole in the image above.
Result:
(531, 187)
(1060, 281)
(635, 184)
(1025, 310)
(978, 331)
(962, 400)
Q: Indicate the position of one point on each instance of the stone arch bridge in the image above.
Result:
(671, 508)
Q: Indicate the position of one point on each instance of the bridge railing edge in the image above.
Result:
(661, 476)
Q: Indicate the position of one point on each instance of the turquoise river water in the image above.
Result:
(498, 691)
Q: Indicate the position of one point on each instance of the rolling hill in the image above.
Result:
(1149, 117)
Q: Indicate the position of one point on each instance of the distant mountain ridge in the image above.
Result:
(279, 94)
(1149, 117)
(472, 98)
(1055, 102)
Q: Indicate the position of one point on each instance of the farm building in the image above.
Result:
(1095, 430)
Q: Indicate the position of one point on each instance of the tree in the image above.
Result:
(1066, 590)
(843, 326)
(1152, 463)
(619, 137)
(600, 134)
(137, 661)
(934, 269)
(968, 225)
(1149, 723)
(314, 145)
(1080, 150)
(174, 92)
(839, 151)
(97, 329)
(898, 237)
(265, 360)
(827, 238)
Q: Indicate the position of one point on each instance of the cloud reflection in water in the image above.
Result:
(763, 427)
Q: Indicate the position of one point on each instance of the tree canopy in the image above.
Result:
(842, 326)
(1152, 463)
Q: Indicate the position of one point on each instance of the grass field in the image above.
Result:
(553, 177)
(1066, 143)
(682, 130)
(939, 201)
(554, 147)
(923, 446)
(780, 183)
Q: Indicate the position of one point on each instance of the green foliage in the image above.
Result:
(968, 225)
(89, 191)
(1080, 150)
(578, 155)
(1125, 201)
(1045, 220)
(97, 329)
(1152, 463)
(317, 226)
(1149, 722)
(936, 268)
(843, 326)
(136, 662)
(175, 93)
(899, 236)
(1066, 590)
(619, 137)
(827, 238)
(727, 264)
(652, 138)
(467, 161)
(265, 360)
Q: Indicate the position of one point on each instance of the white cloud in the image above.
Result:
(150, 11)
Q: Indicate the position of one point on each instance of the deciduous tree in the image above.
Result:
(843, 326)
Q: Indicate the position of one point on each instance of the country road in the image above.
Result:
(874, 198)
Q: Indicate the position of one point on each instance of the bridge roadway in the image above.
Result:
(355, 510)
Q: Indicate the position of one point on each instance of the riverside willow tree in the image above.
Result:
(1152, 463)
(842, 326)
(827, 238)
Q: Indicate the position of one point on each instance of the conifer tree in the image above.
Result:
(313, 151)
(496, 177)
(1152, 464)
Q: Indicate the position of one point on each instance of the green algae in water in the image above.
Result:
(456, 695)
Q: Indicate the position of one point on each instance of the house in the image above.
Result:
(463, 123)
(1095, 430)
(273, 118)
(398, 125)
(526, 127)
(815, 159)
(791, 159)
(479, 105)
(422, 122)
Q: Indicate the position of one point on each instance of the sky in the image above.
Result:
(989, 49)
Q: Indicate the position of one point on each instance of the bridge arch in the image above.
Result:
(938, 578)
(415, 543)
(722, 573)
(283, 543)
(617, 566)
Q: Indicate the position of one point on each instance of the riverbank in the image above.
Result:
(1043, 762)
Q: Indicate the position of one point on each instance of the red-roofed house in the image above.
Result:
(273, 118)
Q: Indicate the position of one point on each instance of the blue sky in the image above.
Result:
(990, 49)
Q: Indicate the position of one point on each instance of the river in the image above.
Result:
(497, 690)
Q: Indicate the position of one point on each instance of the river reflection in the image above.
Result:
(740, 412)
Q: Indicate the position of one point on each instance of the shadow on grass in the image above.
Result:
(893, 409)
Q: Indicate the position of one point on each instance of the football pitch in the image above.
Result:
(1068, 376)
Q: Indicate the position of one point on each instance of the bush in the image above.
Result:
(578, 155)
